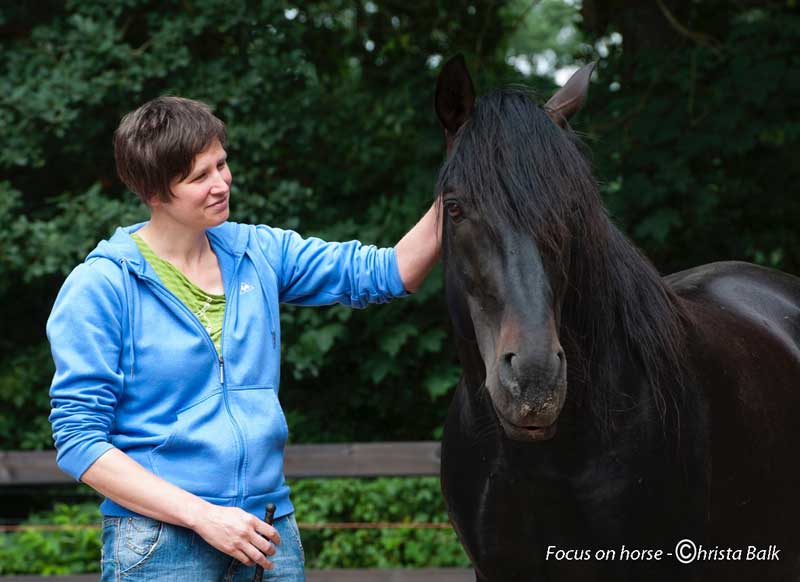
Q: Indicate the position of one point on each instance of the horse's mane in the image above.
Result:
(518, 169)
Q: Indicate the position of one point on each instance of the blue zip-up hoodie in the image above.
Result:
(136, 370)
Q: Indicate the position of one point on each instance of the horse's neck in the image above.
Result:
(622, 327)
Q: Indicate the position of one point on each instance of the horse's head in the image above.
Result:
(509, 204)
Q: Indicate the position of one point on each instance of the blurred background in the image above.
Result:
(693, 121)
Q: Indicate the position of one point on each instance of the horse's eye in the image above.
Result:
(454, 210)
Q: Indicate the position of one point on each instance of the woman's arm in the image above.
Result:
(229, 529)
(311, 271)
(419, 249)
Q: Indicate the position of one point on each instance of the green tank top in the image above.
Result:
(207, 307)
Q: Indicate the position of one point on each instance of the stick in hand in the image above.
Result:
(268, 517)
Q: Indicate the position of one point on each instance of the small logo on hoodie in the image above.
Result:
(245, 288)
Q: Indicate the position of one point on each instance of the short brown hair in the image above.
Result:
(157, 143)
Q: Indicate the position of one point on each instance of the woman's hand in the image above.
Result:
(419, 249)
(236, 532)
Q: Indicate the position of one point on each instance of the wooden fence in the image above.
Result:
(338, 460)
(335, 460)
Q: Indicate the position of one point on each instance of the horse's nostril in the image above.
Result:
(507, 371)
(560, 354)
(510, 359)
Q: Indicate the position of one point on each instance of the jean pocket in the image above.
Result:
(140, 537)
(111, 522)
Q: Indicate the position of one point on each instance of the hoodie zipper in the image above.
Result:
(240, 459)
(237, 429)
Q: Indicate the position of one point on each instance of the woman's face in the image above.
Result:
(200, 200)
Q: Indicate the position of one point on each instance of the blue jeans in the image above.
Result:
(140, 548)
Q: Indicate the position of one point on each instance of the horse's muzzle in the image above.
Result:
(528, 396)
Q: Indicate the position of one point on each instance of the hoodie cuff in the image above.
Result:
(396, 287)
(75, 461)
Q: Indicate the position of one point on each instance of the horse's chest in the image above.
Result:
(510, 511)
(541, 501)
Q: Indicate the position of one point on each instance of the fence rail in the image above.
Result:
(400, 459)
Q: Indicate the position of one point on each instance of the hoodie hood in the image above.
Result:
(227, 237)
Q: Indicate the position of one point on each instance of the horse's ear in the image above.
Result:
(570, 98)
(455, 95)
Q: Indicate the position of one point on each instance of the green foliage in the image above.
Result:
(546, 35)
(331, 133)
(68, 551)
(406, 500)
(695, 140)
(26, 403)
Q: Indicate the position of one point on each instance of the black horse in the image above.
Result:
(604, 413)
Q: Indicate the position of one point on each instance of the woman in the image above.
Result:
(167, 346)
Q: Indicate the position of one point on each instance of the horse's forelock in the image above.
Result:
(517, 168)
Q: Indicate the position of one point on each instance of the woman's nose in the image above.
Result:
(220, 184)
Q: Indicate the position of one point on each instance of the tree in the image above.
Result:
(695, 116)
(331, 132)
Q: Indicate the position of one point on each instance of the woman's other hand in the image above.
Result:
(237, 533)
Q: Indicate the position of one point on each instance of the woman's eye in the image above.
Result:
(199, 178)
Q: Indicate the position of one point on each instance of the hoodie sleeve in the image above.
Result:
(85, 337)
(314, 272)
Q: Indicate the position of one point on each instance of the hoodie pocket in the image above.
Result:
(263, 423)
(200, 455)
